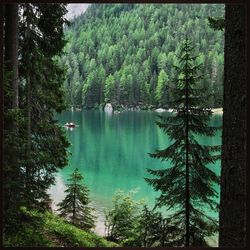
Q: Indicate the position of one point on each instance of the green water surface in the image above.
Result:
(112, 150)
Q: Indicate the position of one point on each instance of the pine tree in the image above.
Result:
(42, 96)
(11, 48)
(187, 184)
(11, 114)
(32, 95)
(162, 95)
(75, 205)
(110, 89)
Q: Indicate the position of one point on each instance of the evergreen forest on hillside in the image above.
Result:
(124, 53)
(129, 118)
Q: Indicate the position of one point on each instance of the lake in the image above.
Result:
(111, 151)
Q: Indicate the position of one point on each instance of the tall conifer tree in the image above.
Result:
(41, 40)
(187, 184)
(11, 111)
(162, 93)
(75, 205)
(31, 98)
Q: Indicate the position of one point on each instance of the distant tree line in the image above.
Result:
(35, 146)
(124, 53)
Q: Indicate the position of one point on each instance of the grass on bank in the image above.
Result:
(49, 230)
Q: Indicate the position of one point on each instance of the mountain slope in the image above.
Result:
(117, 52)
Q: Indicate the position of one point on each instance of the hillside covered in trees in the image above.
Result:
(150, 56)
(124, 53)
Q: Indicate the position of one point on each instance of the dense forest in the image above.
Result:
(130, 55)
(124, 53)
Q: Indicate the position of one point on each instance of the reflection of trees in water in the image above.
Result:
(111, 151)
(117, 146)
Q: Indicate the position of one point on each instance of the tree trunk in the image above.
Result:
(10, 125)
(232, 227)
(29, 177)
(187, 188)
(11, 48)
(2, 19)
(74, 205)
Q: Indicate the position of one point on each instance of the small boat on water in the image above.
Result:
(70, 125)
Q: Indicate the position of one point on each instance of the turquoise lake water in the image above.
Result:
(111, 151)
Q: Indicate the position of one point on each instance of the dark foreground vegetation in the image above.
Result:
(120, 72)
(49, 230)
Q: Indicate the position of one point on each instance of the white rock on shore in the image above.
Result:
(108, 108)
(160, 110)
(217, 111)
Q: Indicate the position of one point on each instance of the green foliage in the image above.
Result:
(40, 96)
(48, 230)
(216, 23)
(121, 220)
(162, 91)
(29, 232)
(73, 236)
(136, 42)
(187, 184)
(110, 89)
(154, 230)
(30, 167)
(75, 205)
(28, 237)
(132, 224)
(12, 187)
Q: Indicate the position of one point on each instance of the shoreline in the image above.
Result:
(217, 111)
(140, 108)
